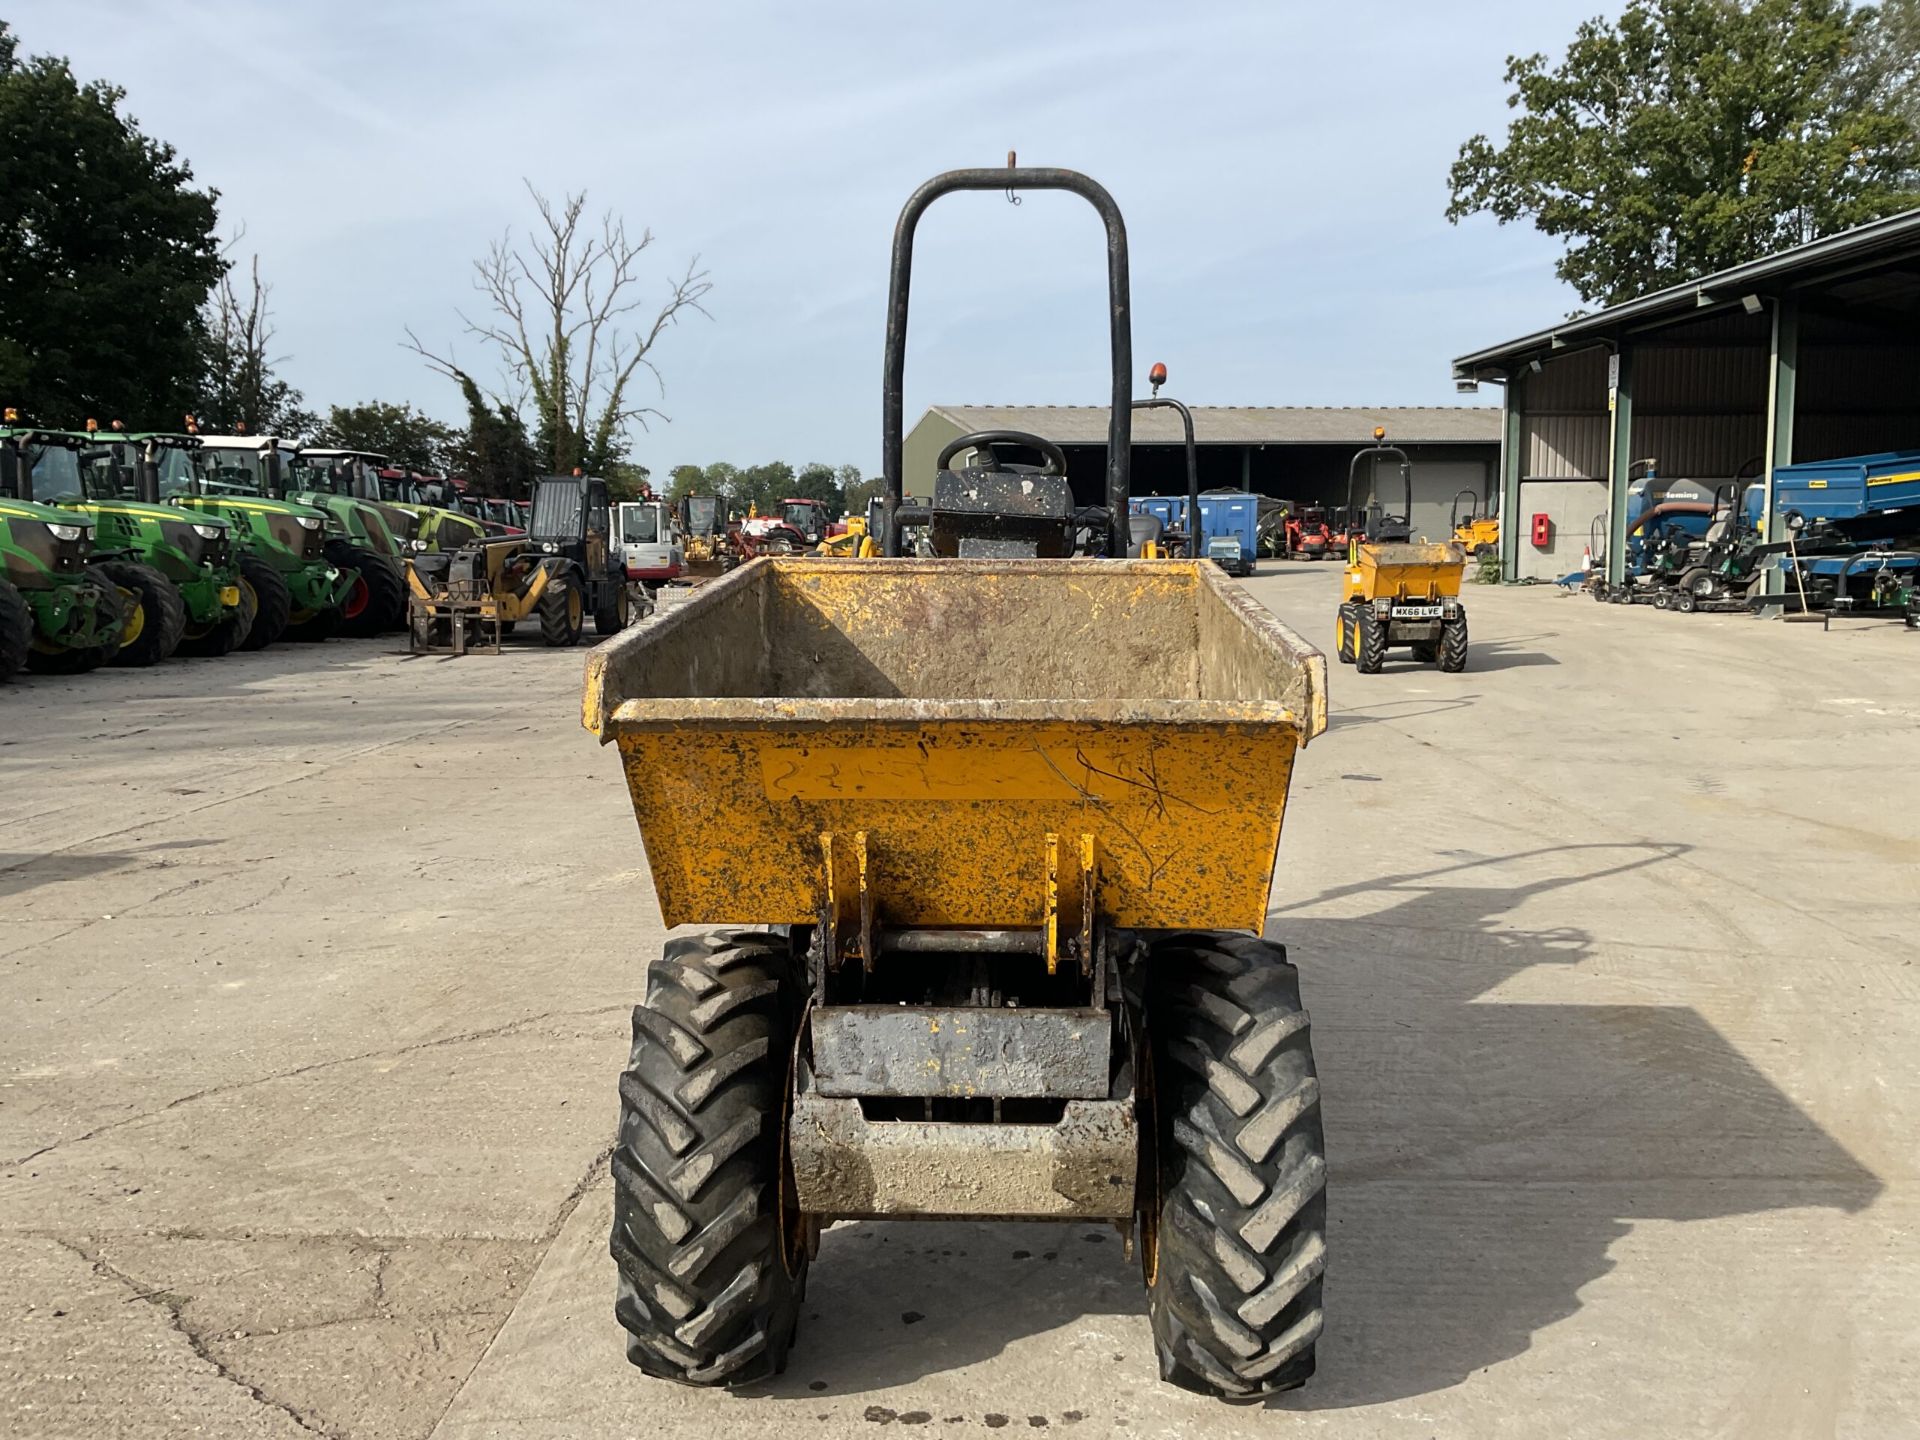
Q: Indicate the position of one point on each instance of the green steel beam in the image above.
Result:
(1512, 465)
(1782, 378)
(1619, 460)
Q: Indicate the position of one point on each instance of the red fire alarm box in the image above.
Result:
(1542, 530)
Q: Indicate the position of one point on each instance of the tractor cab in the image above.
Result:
(806, 518)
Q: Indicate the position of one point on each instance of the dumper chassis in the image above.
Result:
(987, 952)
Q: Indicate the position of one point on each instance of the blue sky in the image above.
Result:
(1282, 168)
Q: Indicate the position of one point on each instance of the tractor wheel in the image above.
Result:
(712, 1268)
(612, 617)
(272, 602)
(1233, 1293)
(16, 631)
(319, 625)
(226, 634)
(1453, 645)
(377, 602)
(1370, 650)
(156, 615)
(561, 612)
(1345, 624)
(89, 589)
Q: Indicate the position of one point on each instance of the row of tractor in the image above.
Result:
(122, 547)
(1849, 541)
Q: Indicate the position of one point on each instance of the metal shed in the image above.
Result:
(1296, 452)
(1807, 354)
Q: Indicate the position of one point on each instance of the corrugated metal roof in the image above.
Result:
(1786, 269)
(1243, 424)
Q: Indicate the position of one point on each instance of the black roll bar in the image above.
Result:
(899, 285)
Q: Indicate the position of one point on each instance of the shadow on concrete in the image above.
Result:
(1394, 711)
(21, 873)
(1484, 1157)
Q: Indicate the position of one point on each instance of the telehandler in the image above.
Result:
(565, 568)
(991, 886)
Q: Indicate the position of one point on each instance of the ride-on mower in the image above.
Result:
(565, 568)
(1396, 592)
(993, 887)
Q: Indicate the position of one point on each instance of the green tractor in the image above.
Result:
(442, 523)
(297, 592)
(184, 581)
(60, 611)
(361, 540)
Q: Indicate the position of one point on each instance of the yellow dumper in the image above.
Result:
(1406, 595)
(989, 838)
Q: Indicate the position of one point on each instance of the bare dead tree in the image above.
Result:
(561, 319)
(239, 388)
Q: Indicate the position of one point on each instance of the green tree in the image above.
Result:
(239, 389)
(1690, 136)
(107, 251)
(493, 452)
(408, 437)
(627, 480)
(1890, 58)
(685, 480)
(762, 486)
(855, 492)
(820, 482)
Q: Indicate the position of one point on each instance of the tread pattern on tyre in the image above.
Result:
(166, 612)
(229, 632)
(1235, 1305)
(704, 1294)
(1453, 645)
(273, 602)
(555, 626)
(1371, 651)
(1347, 624)
(386, 607)
(16, 630)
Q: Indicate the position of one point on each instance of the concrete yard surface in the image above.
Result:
(317, 963)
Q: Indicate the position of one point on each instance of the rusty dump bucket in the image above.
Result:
(980, 744)
(1427, 569)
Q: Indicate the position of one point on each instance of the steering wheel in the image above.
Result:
(991, 440)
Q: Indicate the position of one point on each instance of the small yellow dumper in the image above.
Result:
(990, 837)
(1403, 595)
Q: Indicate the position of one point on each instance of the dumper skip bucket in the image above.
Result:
(962, 743)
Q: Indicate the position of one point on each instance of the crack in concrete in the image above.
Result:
(493, 1032)
(164, 1300)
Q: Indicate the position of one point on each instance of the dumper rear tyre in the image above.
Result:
(1370, 644)
(272, 602)
(156, 613)
(16, 631)
(1233, 1295)
(1453, 645)
(711, 1269)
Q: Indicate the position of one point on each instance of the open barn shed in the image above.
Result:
(1297, 453)
(1809, 354)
